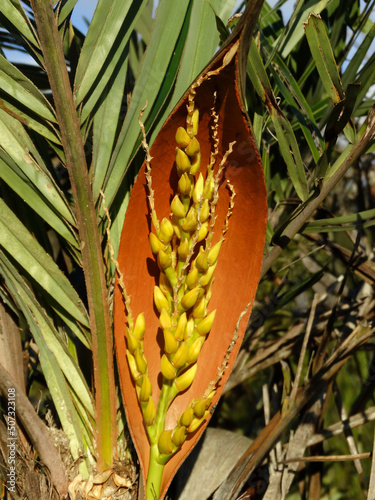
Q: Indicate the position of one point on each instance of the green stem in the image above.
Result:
(155, 468)
(155, 474)
(92, 259)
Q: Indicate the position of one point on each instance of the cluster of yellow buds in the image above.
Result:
(138, 367)
(187, 258)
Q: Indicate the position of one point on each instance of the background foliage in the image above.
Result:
(310, 95)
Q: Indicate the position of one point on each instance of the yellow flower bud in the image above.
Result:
(204, 326)
(140, 360)
(183, 249)
(165, 319)
(186, 379)
(190, 222)
(160, 299)
(198, 189)
(133, 366)
(164, 284)
(181, 355)
(182, 161)
(195, 349)
(190, 298)
(170, 343)
(213, 254)
(197, 422)
(165, 232)
(146, 389)
(155, 243)
(181, 326)
(164, 260)
(205, 279)
(139, 327)
(195, 121)
(176, 228)
(203, 230)
(186, 417)
(192, 278)
(193, 148)
(199, 310)
(149, 412)
(201, 260)
(165, 443)
(132, 342)
(184, 184)
(179, 435)
(209, 186)
(178, 208)
(189, 329)
(200, 407)
(182, 137)
(167, 369)
(195, 164)
(205, 211)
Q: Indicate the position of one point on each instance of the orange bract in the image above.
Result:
(238, 266)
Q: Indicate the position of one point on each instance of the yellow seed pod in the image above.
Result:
(195, 121)
(184, 184)
(170, 343)
(149, 412)
(164, 260)
(132, 342)
(136, 374)
(160, 300)
(186, 417)
(182, 137)
(181, 355)
(140, 360)
(192, 278)
(204, 326)
(178, 208)
(197, 422)
(205, 211)
(182, 161)
(206, 278)
(195, 349)
(165, 443)
(181, 326)
(195, 164)
(199, 310)
(186, 379)
(139, 327)
(201, 261)
(213, 254)
(179, 435)
(165, 319)
(146, 389)
(183, 249)
(203, 230)
(155, 243)
(165, 232)
(193, 148)
(167, 369)
(198, 189)
(190, 298)
(189, 329)
(190, 222)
